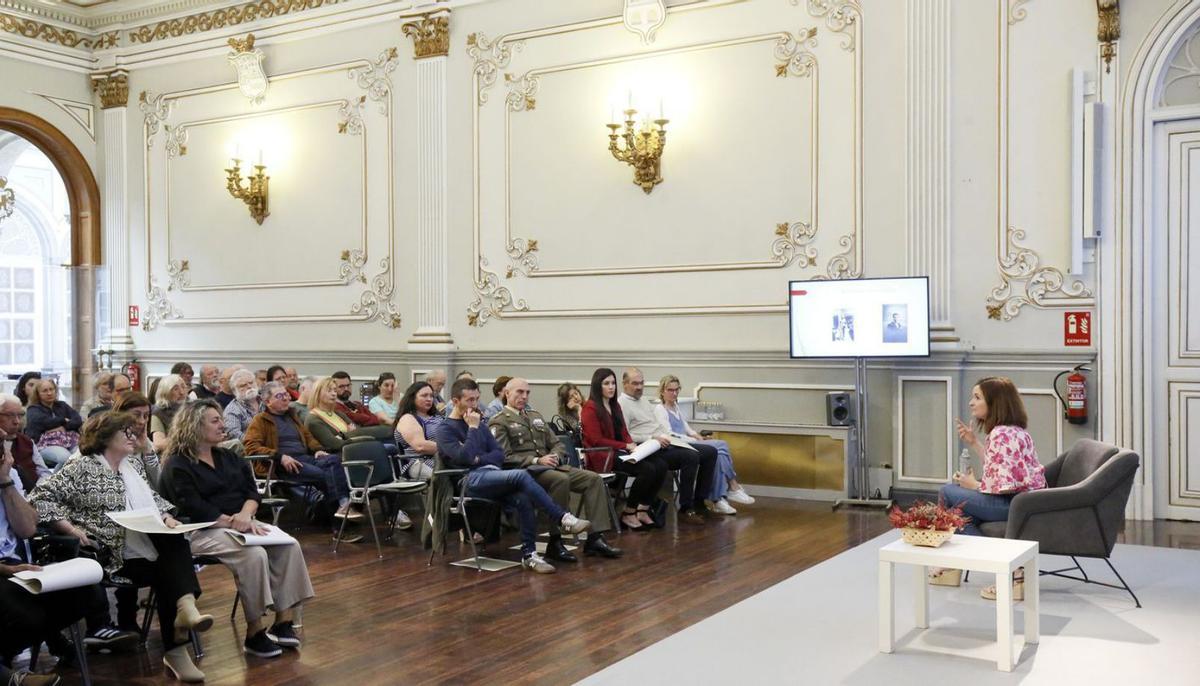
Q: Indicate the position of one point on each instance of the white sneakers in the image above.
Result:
(403, 521)
(740, 496)
(535, 562)
(574, 525)
(722, 506)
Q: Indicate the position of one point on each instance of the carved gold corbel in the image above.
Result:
(1109, 30)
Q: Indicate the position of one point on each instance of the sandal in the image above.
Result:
(945, 577)
(643, 516)
(630, 521)
(1018, 592)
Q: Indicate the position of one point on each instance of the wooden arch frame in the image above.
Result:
(82, 191)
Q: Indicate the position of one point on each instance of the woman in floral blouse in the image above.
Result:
(75, 500)
(1010, 463)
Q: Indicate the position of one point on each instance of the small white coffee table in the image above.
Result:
(999, 556)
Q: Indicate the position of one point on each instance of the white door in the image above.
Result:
(1175, 336)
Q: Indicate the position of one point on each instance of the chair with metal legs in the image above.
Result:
(449, 497)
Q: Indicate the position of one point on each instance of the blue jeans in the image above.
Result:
(724, 472)
(326, 474)
(54, 456)
(517, 489)
(980, 507)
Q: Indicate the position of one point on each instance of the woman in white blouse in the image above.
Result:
(725, 484)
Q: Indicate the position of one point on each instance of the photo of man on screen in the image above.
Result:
(895, 327)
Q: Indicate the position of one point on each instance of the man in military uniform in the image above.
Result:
(529, 443)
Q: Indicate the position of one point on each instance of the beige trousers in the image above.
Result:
(268, 577)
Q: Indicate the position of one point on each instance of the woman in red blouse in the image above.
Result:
(604, 427)
(1007, 454)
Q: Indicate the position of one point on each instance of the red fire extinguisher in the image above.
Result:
(134, 371)
(1075, 404)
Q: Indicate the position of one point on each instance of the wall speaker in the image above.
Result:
(839, 408)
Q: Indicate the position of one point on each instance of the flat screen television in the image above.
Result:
(859, 317)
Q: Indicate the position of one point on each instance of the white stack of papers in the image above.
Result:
(150, 522)
(274, 536)
(651, 446)
(81, 571)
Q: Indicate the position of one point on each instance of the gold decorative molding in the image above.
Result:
(375, 79)
(242, 45)
(155, 110)
(521, 258)
(843, 264)
(8, 199)
(521, 92)
(350, 113)
(158, 308)
(176, 144)
(792, 57)
(222, 18)
(375, 301)
(431, 36)
(489, 58)
(841, 16)
(177, 270)
(794, 242)
(1021, 268)
(58, 36)
(491, 298)
(1017, 11)
(112, 87)
(1109, 30)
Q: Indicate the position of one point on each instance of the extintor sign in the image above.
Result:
(1077, 328)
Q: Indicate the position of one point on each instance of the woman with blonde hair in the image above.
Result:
(168, 397)
(725, 486)
(330, 427)
(211, 484)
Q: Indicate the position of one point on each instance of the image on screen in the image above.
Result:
(859, 317)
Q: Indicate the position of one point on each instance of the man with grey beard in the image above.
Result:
(245, 405)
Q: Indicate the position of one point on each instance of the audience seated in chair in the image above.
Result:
(26, 388)
(1010, 466)
(168, 397)
(184, 371)
(28, 618)
(355, 412)
(696, 467)
(75, 501)
(385, 404)
(277, 432)
(227, 394)
(136, 405)
(292, 381)
(28, 465)
(416, 428)
(102, 395)
(210, 382)
(246, 404)
(497, 403)
(530, 444)
(603, 426)
(437, 381)
(570, 404)
(725, 486)
(332, 429)
(210, 484)
(465, 442)
(303, 400)
(52, 424)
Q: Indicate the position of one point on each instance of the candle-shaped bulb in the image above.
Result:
(260, 157)
(660, 109)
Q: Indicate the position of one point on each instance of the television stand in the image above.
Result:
(858, 482)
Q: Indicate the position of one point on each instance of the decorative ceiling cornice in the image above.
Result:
(48, 33)
(218, 19)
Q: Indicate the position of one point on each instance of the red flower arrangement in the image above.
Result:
(923, 515)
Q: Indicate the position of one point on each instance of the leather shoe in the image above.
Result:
(691, 517)
(599, 546)
(556, 550)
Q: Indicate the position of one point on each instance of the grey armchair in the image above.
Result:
(1081, 510)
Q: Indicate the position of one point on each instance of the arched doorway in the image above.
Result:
(19, 131)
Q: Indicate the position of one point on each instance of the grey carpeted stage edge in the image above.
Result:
(820, 627)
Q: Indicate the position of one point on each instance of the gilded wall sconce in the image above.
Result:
(642, 147)
(252, 191)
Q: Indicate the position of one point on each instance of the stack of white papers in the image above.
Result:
(651, 446)
(82, 571)
(150, 522)
(274, 536)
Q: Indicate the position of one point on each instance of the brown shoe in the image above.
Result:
(24, 678)
(691, 517)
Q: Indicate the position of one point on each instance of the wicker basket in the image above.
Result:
(930, 538)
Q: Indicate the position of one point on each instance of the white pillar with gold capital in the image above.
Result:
(431, 42)
(112, 88)
(929, 169)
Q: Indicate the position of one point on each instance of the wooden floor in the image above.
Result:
(397, 621)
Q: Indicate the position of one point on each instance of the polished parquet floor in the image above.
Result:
(398, 621)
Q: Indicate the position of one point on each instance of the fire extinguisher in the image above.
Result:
(1075, 404)
(134, 371)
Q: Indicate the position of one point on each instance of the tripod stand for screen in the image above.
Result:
(858, 469)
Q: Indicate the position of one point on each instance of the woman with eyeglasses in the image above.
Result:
(52, 424)
(139, 407)
(725, 485)
(76, 501)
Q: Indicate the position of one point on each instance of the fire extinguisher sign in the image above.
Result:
(1077, 328)
(134, 315)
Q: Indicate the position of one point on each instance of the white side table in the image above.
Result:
(999, 556)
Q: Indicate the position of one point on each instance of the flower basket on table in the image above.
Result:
(927, 524)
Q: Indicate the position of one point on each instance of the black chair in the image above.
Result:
(1080, 512)
(370, 470)
(598, 460)
(449, 502)
(77, 628)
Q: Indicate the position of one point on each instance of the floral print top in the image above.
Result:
(1012, 464)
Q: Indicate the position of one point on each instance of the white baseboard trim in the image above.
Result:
(794, 493)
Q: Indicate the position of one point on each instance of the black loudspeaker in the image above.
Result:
(839, 408)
